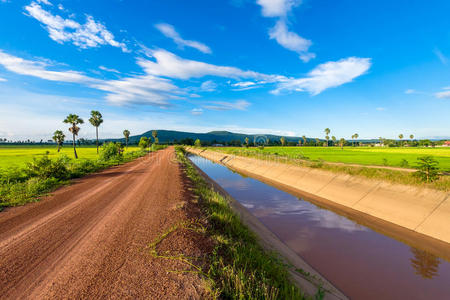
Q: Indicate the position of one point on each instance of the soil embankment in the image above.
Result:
(419, 210)
(90, 239)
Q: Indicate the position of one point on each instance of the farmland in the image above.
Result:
(13, 155)
(395, 157)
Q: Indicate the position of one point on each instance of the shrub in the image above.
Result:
(112, 151)
(47, 168)
(428, 169)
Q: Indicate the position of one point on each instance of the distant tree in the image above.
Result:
(300, 142)
(381, 141)
(411, 137)
(333, 138)
(96, 120)
(428, 169)
(327, 132)
(155, 135)
(341, 143)
(144, 143)
(246, 142)
(126, 134)
(198, 143)
(283, 141)
(59, 137)
(400, 136)
(354, 137)
(74, 120)
(304, 139)
(317, 141)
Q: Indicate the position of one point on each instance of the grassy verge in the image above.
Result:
(239, 266)
(21, 185)
(388, 175)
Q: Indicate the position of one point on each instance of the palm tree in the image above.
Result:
(300, 142)
(74, 120)
(381, 141)
(58, 137)
(126, 134)
(355, 136)
(333, 138)
(283, 141)
(342, 142)
(246, 142)
(317, 141)
(411, 137)
(304, 139)
(96, 120)
(327, 132)
(155, 135)
(400, 136)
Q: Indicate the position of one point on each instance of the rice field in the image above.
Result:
(395, 157)
(13, 155)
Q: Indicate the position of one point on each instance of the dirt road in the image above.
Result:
(90, 239)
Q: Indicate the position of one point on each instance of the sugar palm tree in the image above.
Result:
(246, 141)
(126, 134)
(283, 141)
(400, 136)
(317, 141)
(333, 138)
(411, 137)
(342, 142)
(155, 136)
(74, 120)
(96, 120)
(304, 139)
(58, 137)
(355, 136)
(327, 132)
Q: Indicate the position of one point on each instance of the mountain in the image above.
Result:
(166, 136)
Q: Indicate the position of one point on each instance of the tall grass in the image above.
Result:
(239, 266)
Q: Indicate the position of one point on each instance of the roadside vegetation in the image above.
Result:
(239, 268)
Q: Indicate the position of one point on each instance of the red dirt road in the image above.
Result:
(89, 239)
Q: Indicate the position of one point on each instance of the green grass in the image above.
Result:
(356, 155)
(18, 156)
(239, 267)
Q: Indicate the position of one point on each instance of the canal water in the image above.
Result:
(361, 262)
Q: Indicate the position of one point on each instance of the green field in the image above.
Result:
(11, 155)
(355, 155)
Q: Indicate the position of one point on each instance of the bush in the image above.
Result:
(112, 151)
(47, 168)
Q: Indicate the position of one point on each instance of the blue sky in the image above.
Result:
(376, 68)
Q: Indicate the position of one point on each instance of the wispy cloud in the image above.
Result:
(197, 111)
(327, 75)
(39, 69)
(380, 108)
(156, 85)
(441, 56)
(443, 95)
(170, 32)
(222, 105)
(280, 32)
(2, 79)
(89, 35)
(410, 91)
(208, 86)
(108, 69)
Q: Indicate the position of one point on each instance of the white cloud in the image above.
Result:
(89, 35)
(108, 69)
(2, 79)
(380, 108)
(222, 105)
(410, 91)
(167, 64)
(243, 84)
(441, 56)
(291, 40)
(39, 69)
(277, 8)
(197, 111)
(170, 32)
(443, 95)
(327, 75)
(208, 86)
(46, 2)
(280, 32)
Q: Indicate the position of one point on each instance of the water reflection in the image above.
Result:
(424, 263)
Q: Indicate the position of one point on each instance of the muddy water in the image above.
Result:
(362, 263)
